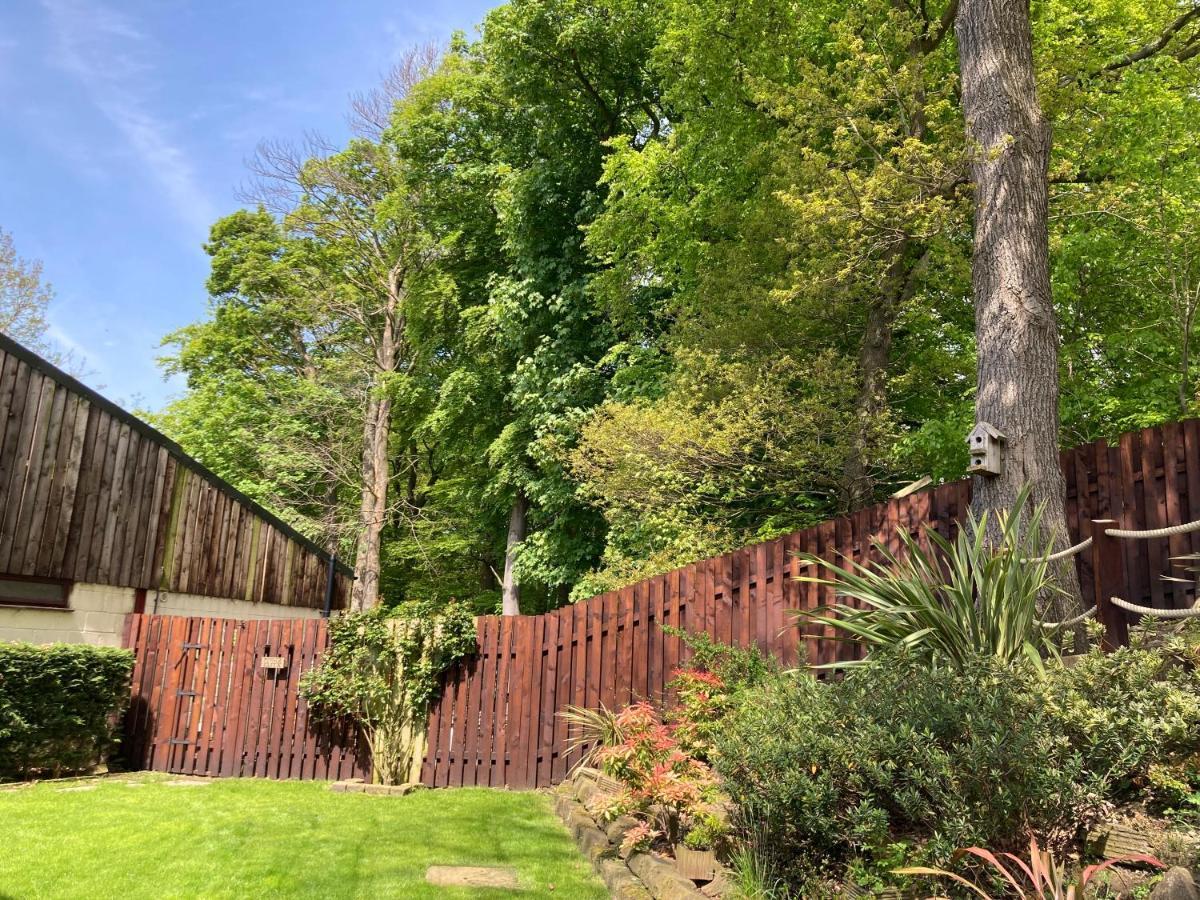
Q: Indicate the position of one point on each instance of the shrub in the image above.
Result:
(1127, 711)
(59, 705)
(662, 785)
(739, 667)
(965, 597)
(381, 673)
(706, 688)
(838, 770)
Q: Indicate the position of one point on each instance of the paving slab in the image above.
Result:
(473, 876)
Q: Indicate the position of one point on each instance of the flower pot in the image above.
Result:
(698, 865)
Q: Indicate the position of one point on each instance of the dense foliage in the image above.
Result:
(902, 763)
(59, 706)
(841, 770)
(657, 278)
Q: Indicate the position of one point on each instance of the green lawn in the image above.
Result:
(245, 838)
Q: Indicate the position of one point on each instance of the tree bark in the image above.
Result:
(373, 508)
(511, 589)
(874, 356)
(376, 469)
(1015, 325)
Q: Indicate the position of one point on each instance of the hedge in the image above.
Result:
(59, 705)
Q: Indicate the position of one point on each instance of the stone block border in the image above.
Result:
(358, 786)
(640, 875)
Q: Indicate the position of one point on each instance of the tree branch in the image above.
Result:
(1147, 50)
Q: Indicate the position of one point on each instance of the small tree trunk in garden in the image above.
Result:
(511, 605)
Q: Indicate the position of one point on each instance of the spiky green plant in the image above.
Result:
(979, 593)
(589, 730)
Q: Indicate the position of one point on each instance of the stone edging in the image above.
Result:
(358, 786)
(637, 877)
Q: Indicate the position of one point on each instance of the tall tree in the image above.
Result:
(1016, 327)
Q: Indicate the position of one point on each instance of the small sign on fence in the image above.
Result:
(273, 662)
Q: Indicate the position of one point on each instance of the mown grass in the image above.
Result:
(136, 836)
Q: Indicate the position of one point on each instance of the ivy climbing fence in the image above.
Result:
(220, 696)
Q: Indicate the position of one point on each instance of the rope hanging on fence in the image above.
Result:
(1154, 532)
(1156, 613)
(1062, 554)
(1069, 622)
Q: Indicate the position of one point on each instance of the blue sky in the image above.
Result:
(125, 128)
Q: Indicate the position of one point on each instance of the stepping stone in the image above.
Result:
(188, 782)
(72, 790)
(473, 876)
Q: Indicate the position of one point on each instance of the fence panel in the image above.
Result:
(221, 697)
(497, 719)
(203, 702)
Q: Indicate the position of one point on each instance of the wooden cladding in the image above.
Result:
(496, 721)
(90, 494)
(204, 703)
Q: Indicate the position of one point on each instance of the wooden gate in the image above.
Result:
(221, 697)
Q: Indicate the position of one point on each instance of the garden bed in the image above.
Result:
(628, 875)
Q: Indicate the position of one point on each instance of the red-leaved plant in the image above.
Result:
(702, 702)
(663, 786)
(1042, 877)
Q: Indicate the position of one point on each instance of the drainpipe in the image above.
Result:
(329, 585)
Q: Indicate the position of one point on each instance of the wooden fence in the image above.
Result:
(205, 705)
(496, 722)
(220, 697)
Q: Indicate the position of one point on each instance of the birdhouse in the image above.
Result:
(986, 445)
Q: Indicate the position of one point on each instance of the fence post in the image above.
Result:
(1108, 574)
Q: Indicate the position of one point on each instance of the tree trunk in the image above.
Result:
(373, 508)
(376, 468)
(874, 355)
(1015, 326)
(516, 533)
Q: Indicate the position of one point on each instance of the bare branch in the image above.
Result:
(371, 111)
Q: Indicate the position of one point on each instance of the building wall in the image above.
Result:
(175, 604)
(93, 495)
(97, 614)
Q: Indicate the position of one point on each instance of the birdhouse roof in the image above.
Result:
(986, 428)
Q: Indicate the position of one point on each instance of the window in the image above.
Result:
(43, 593)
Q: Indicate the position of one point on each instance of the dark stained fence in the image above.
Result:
(496, 721)
(204, 703)
(90, 493)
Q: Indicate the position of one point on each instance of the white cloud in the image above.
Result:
(110, 55)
